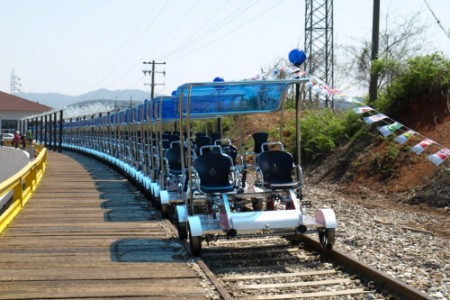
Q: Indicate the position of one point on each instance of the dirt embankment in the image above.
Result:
(377, 166)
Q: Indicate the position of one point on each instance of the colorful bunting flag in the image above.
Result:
(389, 129)
(405, 136)
(374, 118)
(440, 156)
(319, 88)
(420, 147)
(363, 109)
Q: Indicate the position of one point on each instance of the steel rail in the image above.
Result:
(221, 289)
(385, 282)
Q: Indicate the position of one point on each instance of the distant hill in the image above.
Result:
(59, 101)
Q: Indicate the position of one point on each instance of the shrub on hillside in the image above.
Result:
(321, 132)
(422, 76)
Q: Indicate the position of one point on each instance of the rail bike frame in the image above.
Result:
(217, 212)
(171, 183)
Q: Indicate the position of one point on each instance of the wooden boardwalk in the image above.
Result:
(87, 233)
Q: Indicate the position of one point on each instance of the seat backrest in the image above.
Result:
(173, 156)
(231, 151)
(276, 166)
(173, 138)
(213, 169)
(215, 136)
(210, 148)
(201, 141)
(259, 138)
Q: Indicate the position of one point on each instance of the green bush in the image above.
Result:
(422, 76)
(321, 132)
(385, 163)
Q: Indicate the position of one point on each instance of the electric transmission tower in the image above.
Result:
(319, 40)
(15, 83)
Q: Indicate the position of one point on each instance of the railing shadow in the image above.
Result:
(148, 250)
(123, 203)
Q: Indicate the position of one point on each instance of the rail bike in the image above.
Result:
(173, 151)
(120, 139)
(220, 199)
(213, 188)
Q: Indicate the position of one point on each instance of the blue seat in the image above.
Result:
(213, 170)
(201, 141)
(173, 157)
(231, 151)
(276, 168)
(259, 138)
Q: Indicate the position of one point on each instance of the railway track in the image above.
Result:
(274, 268)
(277, 268)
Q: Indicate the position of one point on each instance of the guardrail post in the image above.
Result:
(18, 193)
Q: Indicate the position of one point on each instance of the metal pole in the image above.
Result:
(41, 130)
(48, 130)
(153, 80)
(61, 123)
(373, 87)
(55, 128)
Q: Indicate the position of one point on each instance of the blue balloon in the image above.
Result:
(219, 87)
(297, 57)
(174, 93)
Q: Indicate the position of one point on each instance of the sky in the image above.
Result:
(77, 46)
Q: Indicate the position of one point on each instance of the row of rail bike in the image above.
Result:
(208, 186)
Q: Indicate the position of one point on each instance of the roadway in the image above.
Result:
(12, 161)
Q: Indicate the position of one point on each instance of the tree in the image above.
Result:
(399, 41)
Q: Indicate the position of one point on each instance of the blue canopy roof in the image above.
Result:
(209, 100)
(226, 98)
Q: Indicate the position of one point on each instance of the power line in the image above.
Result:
(229, 32)
(167, 34)
(122, 75)
(193, 35)
(437, 20)
(125, 42)
(219, 25)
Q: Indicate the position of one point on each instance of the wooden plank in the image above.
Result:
(267, 251)
(279, 275)
(294, 284)
(78, 242)
(113, 271)
(274, 268)
(309, 295)
(105, 288)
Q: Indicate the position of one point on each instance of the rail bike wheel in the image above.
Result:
(257, 204)
(326, 237)
(195, 244)
(165, 211)
(182, 231)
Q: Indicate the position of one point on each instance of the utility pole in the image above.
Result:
(373, 87)
(15, 83)
(152, 73)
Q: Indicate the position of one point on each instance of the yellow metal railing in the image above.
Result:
(18, 189)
